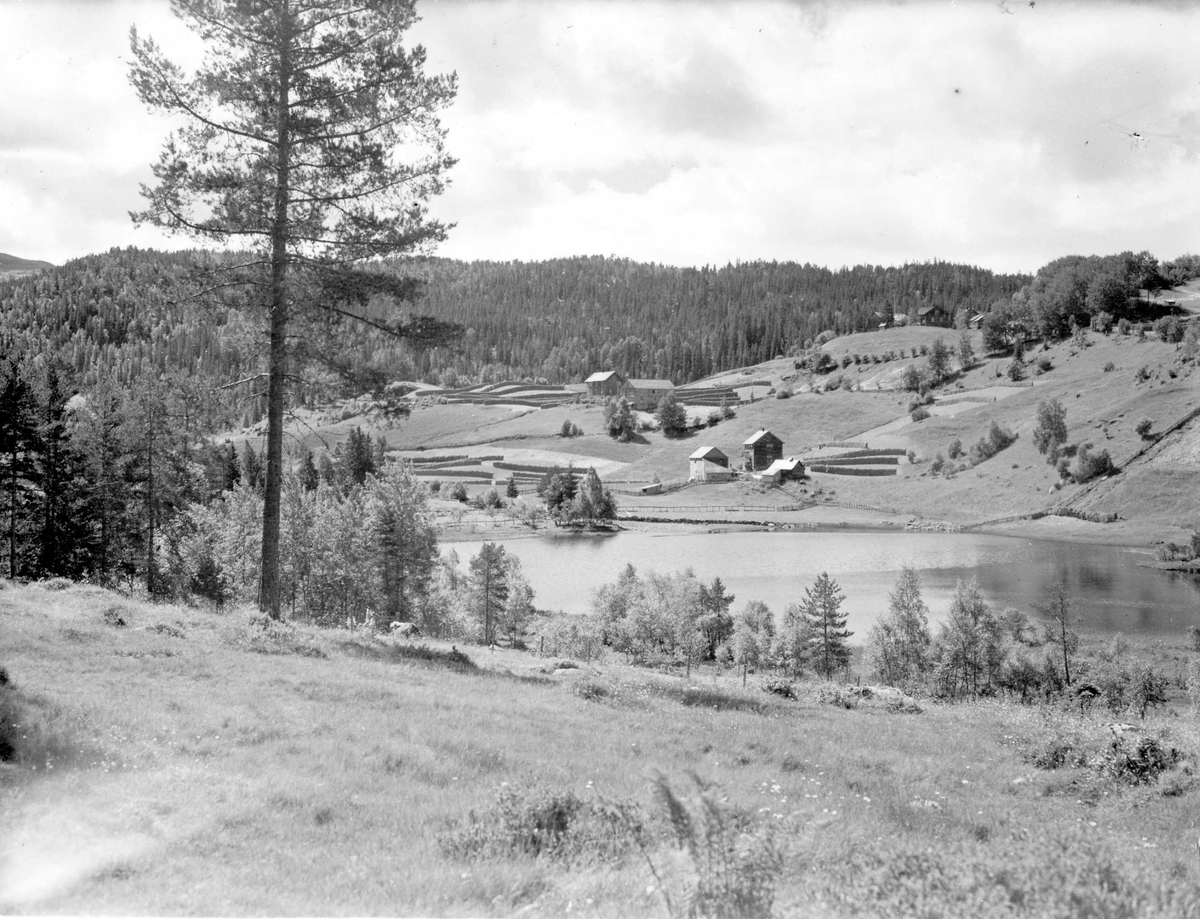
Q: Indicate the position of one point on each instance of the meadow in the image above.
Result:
(182, 761)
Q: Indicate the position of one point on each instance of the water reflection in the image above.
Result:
(1109, 591)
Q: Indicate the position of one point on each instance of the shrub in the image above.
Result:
(784, 392)
(35, 732)
(459, 492)
(955, 450)
(591, 690)
(1054, 753)
(779, 687)
(1044, 364)
(1016, 370)
(920, 413)
(1143, 428)
(534, 822)
(435, 486)
(1169, 329)
(937, 465)
(117, 616)
(1110, 367)
(619, 420)
(671, 416)
(726, 866)
(912, 379)
(10, 720)
(1000, 437)
(1090, 465)
(275, 636)
(1149, 688)
(1124, 326)
(1138, 761)
(1143, 374)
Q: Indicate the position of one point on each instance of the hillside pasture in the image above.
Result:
(192, 763)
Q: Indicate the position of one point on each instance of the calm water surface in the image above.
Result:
(1109, 590)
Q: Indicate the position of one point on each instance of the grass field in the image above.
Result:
(1107, 385)
(189, 763)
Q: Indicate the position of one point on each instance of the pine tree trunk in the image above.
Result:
(268, 597)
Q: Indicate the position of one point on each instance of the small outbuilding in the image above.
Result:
(708, 464)
(761, 450)
(605, 383)
(785, 470)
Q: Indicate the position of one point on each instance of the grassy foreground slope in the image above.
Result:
(186, 762)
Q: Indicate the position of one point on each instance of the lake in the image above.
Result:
(1110, 591)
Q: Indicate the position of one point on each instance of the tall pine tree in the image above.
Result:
(822, 609)
(292, 145)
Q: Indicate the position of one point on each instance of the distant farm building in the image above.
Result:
(932, 315)
(761, 450)
(605, 383)
(708, 464)
(644, 395)
(782, 470)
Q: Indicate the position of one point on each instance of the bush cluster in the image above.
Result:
(532, 821)
(997, 439)
(1089, 465)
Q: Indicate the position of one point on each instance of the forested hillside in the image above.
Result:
(566, 318)
(119, 314)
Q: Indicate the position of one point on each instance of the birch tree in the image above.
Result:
(309, 140)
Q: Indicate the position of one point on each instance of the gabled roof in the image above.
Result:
(706, 452)
(928, 309)
(603, 375)
(788, 464)
(651, 384)
(760, 435)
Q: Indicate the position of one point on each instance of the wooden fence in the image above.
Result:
(709, 509)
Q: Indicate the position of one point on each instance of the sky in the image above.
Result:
(1000, 134)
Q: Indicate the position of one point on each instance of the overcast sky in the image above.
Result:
(691, 133)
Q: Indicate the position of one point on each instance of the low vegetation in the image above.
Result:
(639, 793)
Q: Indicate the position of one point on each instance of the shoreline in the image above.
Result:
(1057, 529)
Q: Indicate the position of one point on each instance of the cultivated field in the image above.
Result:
(173, 761)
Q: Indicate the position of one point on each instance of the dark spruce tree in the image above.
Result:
(310, 137)
(18, 451)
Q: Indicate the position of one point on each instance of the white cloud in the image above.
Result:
(703, 132)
